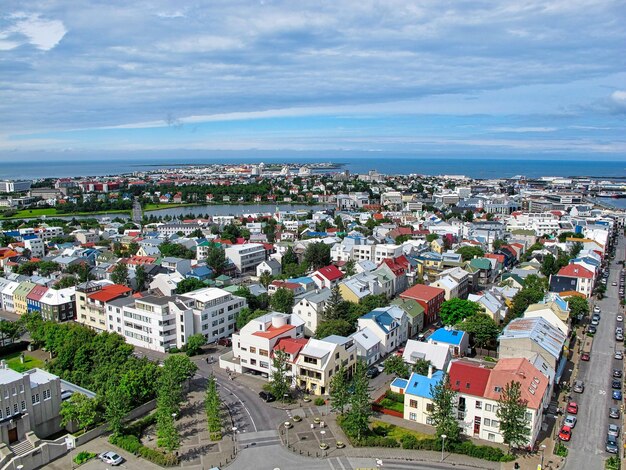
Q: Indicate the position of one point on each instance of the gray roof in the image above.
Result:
(538, 330)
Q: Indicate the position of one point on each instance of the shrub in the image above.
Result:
(392, 405)
(138, 427)
(319, 401)
(408, 441)
(129, 443)
(560, 449)
(377, 441)
(393, 396)
(132, 444)
(83, 457)
(215, 436)
(612, 463)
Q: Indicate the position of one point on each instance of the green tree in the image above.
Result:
(431, 237)
(482, 328)
(197, 233)
(395, 364)
(339, 390)
(66, 281)
(576, 249)
(212, 406)
(282, 300)
(549, 265)
(317, 255)
(533, 291)
(188, 285)
(79, 409)
(266, 278)
(280, 382)
(468, 216)
(497, 244)
(349, 268)
(442, 413)
(289, 258)
(356, 420)
(421, 366)
(167, 434)
(120, 274)
(578, 307)
(456, 310)
(140, 278)
(245, 315)
(216, 258)
(470, 252)
(194, 344)
(11, 331)
(176, 250)
(334, 327)
(117, 404)
(511, 411)
(332, 308)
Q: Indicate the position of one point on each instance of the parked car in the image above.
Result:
(372, 372)
(619, 337)
(110, 458)
(613, 430)
(620, 318)
(617, 395)
(579, 386)
(611, 445)
(614, 413)
(617, 373)
(565, 434)
(619, 330)
(266, 396)
(595, 321)
(596, 309)
(572, 407)
(619, 355)
(592, 329)
(570, 421)
(616, 384)
(584, 357)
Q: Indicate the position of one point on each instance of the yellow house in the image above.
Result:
(320, 359)
(437, 245)
(19, 297)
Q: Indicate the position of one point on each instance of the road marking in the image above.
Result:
(602, 392)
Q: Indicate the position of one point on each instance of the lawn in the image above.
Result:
(396, 432)
(156, 207)
(52, 212)
(13, 360)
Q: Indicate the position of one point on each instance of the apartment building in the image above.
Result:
(58, 304)
(310, 308)
(7, 289)
(320, 359)
(246, 257)
(91, 298)
(20, 297)
(430, 298)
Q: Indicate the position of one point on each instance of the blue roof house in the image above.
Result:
(456, 340)
(418, 401)
(384, 326)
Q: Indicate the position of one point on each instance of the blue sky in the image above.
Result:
(518, 77)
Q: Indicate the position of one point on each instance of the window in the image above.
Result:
(413, 403)
(479, 405)
(21, 388)
(487, 407)
(1, 413)
(263, 352)
(495, 423)
(35, 398)
(15, 410)
(529, 416)
(430, 407)
(487, 422)
(14, 390)
(46, 394)
(413, 416)
(23, 405)
(6, 392)
(252, 349)
(491, 436)
(8, 411)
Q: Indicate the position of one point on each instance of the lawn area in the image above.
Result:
(156, 207)
(396, 432)
(13, 360)
(52, 212)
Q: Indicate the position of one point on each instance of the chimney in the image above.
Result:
(430, 371)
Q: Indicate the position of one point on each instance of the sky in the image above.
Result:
(519, 77)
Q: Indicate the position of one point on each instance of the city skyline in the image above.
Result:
(535, 78)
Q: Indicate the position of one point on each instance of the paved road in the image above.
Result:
(586, 449)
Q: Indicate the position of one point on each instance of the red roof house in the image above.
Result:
(327, 276)
(430, 298)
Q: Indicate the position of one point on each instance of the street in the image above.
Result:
(587, 447)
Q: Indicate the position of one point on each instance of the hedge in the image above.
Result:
(133, 445)
(83, 457)
(393, 396)
(392, 405)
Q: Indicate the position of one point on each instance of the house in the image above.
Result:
(462, 278)
(320, 359)
(8, 289)
(296, 288)
(418, 404)
(91, 298)
(271, 266)
(166, 284)
(59, 305)
(291, 347)
(360, 286)
(368, 346)
(430, 298)
(415, 313)
(554, 310)
(310, 308)
(485, 269)
(573, 277)
(328, 277)
(384, 326)
(449, 285)
(20, 294)
(438, 355)
(33, 298)
(456, 340)
(492, 302)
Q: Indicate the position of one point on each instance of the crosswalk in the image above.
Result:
(340, 463)
(258, 439)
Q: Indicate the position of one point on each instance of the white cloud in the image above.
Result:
(523, 129)
(619, 98)
(42, 33)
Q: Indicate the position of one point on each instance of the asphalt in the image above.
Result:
(587, 446)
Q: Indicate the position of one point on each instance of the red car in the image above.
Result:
(584, 357)
(566, 433)
(572, 408)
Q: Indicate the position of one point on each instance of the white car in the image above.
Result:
(620, 318)
(596, 309)
(111, 458)
(570, 421)
(619, 355)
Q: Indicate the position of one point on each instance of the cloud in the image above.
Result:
(618, 98)
(42, 33)
(523, 129)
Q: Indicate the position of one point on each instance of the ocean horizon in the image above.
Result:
(480, 168)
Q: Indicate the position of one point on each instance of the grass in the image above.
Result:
(53, 212)
(156, 207)
(396, 432)
(13, 361)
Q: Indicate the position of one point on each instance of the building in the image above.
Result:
(320, 359)
(368, 346)
(573, 277)
(35, 245)
(310, 308)
(91, 298)
(415, 313)
(327, 277)
(9, 186)
(416, 389)
(384, 327)
(29, 402)
(271, 266)
(8, 290)
(59, 305)
(438, 355)
(456, 340)
(20, 301)
(430, 298)
(246, 257)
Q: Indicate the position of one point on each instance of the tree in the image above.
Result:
(212, 406)
(334, 327)
(549, 265)
(282, 300)
(339, 390)
(456, 310)
(317, 255)
(188, 285)
(216, 258)
(470, 252)
(442, 413)
(395, 365)
(576, 249)
(331, 309)
(116, 402)
(431, 237)
(140, 278)
(533, 292)
(349, 267)
(120, 274)
(578, 307)
(421, 366)
(167, 434)
(511, 411)
(356, 421)
(468, 216)
(79, 409)
(481, 327)
(289, 258)
(194, 344)
(279, 380)
(66, 281)
(176, 250)
(197, 233)
(266, 278)
(245, 315)
(497, 244)
(11, 331)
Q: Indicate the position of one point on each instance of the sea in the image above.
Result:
(483, 168)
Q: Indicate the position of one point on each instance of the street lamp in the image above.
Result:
(443, 444)
(543, 448)
(235, 438)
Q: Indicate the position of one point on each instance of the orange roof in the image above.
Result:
(575, 270)
(422, 292)
(291, 346)
(533, 382)
(571, 293)
(110, 292)
(273, 332)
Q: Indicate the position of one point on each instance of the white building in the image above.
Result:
(310, 308)
(7, 295)
(36, 247)
(246, 257)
